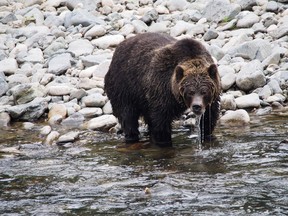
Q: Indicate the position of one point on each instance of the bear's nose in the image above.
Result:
(196, 108)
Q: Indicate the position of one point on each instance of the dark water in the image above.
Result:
(244, 173)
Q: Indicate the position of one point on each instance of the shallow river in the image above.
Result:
(245, 172)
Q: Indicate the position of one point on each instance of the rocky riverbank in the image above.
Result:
(54, 55)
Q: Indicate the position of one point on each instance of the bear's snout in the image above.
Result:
(197, 105)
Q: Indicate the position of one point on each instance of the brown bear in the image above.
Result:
(158, 77)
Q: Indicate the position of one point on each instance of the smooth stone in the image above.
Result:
(248, 101)
(4, 119)
(86, 83)
(265, 92)
(74, 120)
(59, 90)
(107, 108)
(28, 125)
(53, 136)
(228, 102)
(94, 100)
(102, 69)
(158, 27)
(44, 131)
(276, 98)
(139, 26)
(8, 66)
(57, 109)
(78, 94)
(228, 80)
(17, 79)
(95, 31)
(3, 86)
(210, 34)
(35, 56)
(81, 47)
(235, 118)
(68, 137)
(108, 41)
(89, 112)
(216, 52)
(176, 5)
(247, 19)
(275, 87)
(59, 64)
(251, 76)
(263, 111)
(104, 122)
(127, 29)
(246, 4)
(272, 6)
(179, 28)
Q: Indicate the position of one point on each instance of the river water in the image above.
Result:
(244, 172)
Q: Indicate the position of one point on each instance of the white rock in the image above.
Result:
(60, 63)
(59, 90)
(235, 118)
(228, 80)
(247, 19)
(108, 41)
(44, 131)
(161, 9)
(94, 100)
(248, 101)
(8, 66)
(57, 109)
(127, 29)
(95, 31)
(139, 26)
(180, 28)
(102, 69)
(89, 112)
(68, 137)
(28, 125)
(103, 122)
(228, 102)
(107, 108)
(81, 47)
(176, 5)
(276, 98)
(51, 138)
(35, 56)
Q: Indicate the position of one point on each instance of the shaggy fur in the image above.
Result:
(155, 76)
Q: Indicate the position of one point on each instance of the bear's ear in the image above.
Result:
(212, 70)
(179, 73)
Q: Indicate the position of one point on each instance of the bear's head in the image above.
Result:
(196, 83)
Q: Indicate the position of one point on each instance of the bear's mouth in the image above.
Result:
(197, 105)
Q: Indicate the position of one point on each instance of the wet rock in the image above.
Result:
(30, 111)
(28, 125)
(103, 122)
(235, 118)
(60, 63)
(251, 76)
(74, 120)
(91, 112)
(4, 119)
(264, 111)
(248, 101)
(44, 131)
(52, 137)
(68, 137)
(108, 41)
(228, 102)
(94, 100)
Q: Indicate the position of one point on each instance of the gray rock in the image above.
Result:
(159, 27)
(247, 19)
(180, 28)
(4, 119)
(86, 83)
(216, 52)
(36, 15)
(248, 101)
(176, 5)
(59, 90)
(59, 63)
(55, 46)
(68, 137)
(74, 120)
(272, 6)
(103, 122)
(276, 98)
(8, 66)
(246, 4)
(94, 100)
(127, 29)
(30, 111)
(251, 76)
(81, 47)
(275, 87)
(53, 136)
(265, 92)
(219, 10)
(150, 16)
(16, 79)
(78, 94)
(102, 69)
(81, 17)
(228, 80)
(235, 118)
(210, 34)
(108, 41)
(34, 56)
(24, 93)
(264, 111)
(44, 131)
(139, 26)
(3, 85)
(89, 112)
(52, 20)
(228, 102)
(95, 31)
(107, 108)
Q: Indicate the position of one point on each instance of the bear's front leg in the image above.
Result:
(160, 135)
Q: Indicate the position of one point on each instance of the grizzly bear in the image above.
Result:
(158, 77)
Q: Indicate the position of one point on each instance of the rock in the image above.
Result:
(95, 31)
(216, 52)
(180, 28)
(235, 118)
(158, 27)
(16, 79)
(87, 83)
(251, 76)
(44, 131)
(108, 41)
(59, 64)
(34, 56)
(228, 102)
(3, 85)
(127, 29)
(264, 111)
(4, 119)
(228, 80)
(107, 108)
(248, 101)
(276, 98)
(24, 93)
(74, 120)
(275, 87)
(210, 34)
(8, 66)
(53, 136)
(246, 4)
(103, 122)
(94, 100)
(78, 94)
(219, 10)
(81, 47)
(57, 109)
(265, 92)
(139, 26)
(272, 6)
(88, 112)
(176, 5)
(150, 16)
(247, 19)
(28, 125)
(59, 90)
(102, 69)
(30, 111)
(68, 137)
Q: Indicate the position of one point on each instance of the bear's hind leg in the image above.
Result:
(129, 123)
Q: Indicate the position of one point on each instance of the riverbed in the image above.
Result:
(245, 171)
